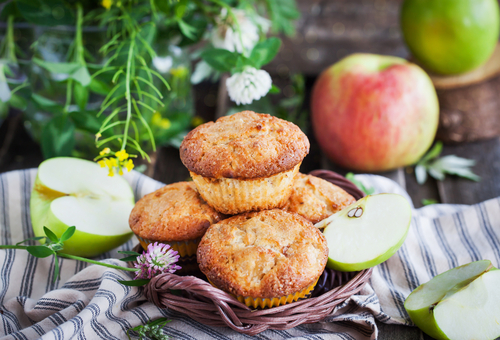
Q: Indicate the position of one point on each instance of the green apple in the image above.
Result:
(461, 303)
(367, 232)
(450, 36)
(75, 192)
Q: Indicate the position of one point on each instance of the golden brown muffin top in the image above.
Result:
(175, 212)
(270, 253)
(316, 199)
(244, 145)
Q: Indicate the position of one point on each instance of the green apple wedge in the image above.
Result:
(75, 192)
(367, 232)
(461, 303)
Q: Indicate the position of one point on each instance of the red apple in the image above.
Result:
(374, 113)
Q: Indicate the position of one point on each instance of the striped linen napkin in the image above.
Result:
(88, 302)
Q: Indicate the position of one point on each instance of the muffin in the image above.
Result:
(244, 162)
(265, 259)
(174, 215)
(316, 199)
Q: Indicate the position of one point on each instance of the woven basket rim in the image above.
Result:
(214, 307)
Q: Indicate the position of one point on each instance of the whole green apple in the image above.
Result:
(450, 36)
(374, 113)
(75, 192)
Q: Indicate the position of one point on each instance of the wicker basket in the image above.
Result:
(211, 306)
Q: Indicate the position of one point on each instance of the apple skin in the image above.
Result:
(78, 244)
(374, 113)
(450, 36)
(424, 318)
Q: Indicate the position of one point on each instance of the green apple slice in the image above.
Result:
(75, 192)
(461, 303)
(367, 232)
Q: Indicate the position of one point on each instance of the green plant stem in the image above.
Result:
(78, 258)
(128, 94)
(80, 51)
(11, 47)
(68, 95)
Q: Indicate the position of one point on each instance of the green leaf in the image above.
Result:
(99, 87)
(429, 201)
(128, 252)
(282, 13)
(81, 94)
(40, 251)
(220, 59)
(359, 184)
(50, 235)
(82, 76)
(274, 90)
(135, 283)
(46, 12)
(58, 137)
(265, 51)
(433, 153)
(186, 29)
(8, 10)
(18, 102)
(68, 233)
(421, 174)
(37, 238)
(129, 258)
(73, 70)
(86, 121)
(57, 68)
(46, 104)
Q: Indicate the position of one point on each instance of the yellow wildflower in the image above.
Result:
(196, 121)
(111, 173)
(179, 72)
(157, 120)
(111, 163)
(122, 155)
(120, 172)
(129, 165)
(102, 163)
(107, 3)
(105, 151)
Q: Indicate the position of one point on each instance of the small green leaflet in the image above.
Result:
(359, 184)
(74, 71)
(439, 167)
(429, 201)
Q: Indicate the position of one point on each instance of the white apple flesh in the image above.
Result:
(461, 303)
(367, 232)
(75, 192)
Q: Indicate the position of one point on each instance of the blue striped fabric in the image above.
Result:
(88, 302)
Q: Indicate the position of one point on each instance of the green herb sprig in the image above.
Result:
(438, 167)
(151, 330)
(52, 247)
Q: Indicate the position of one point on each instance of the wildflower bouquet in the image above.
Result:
(123, 83)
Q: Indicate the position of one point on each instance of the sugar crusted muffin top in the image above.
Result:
(244, 145)
(175, 212)
(264, 254)
(316, 199)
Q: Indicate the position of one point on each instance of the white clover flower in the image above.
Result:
(249, 85)
(226, 34)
